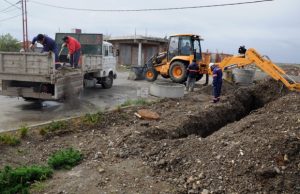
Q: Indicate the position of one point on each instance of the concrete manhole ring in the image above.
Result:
(167, 90)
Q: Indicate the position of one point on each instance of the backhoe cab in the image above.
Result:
(182, 49)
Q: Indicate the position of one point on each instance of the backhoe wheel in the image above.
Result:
(178, 72)
(151, 74)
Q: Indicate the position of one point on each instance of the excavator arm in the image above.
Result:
(251, 56)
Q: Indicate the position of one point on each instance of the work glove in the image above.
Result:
(68, 56)
(32, 46)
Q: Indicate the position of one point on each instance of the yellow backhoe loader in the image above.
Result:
(183, 48)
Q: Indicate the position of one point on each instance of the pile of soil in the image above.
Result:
(247, 143)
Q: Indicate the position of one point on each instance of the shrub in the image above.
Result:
(65, 159)
(23, 130)
(9, 140)
(18, 180)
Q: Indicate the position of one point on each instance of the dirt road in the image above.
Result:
(248, 143)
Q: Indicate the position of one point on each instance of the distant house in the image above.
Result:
(136, 50)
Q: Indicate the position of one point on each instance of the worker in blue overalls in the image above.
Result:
(192, 72)
(49, 45)
(217, 81)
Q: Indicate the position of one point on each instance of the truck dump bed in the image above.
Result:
(33, 75)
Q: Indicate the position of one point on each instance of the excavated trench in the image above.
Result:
(235, 107)
(237, 104)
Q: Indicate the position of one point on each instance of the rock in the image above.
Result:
(218, 157)
(220, 177)
(285, 158)
(277, 170)
(201, 175)
(100, 170)
(190, 179)
(205, 191)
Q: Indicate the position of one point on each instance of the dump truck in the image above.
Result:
(33, 76)
(183, 48)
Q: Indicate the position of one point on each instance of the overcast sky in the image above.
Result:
(273, 28)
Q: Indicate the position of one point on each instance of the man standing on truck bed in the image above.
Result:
(74, 48)
(49, 45)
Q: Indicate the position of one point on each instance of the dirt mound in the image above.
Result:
(251, 145)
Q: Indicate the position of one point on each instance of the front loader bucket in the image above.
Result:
(137, 73)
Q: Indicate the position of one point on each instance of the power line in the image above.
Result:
(151, 9)
(11, 5)
(9, 18)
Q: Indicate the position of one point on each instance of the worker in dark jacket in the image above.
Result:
(192, 73)
(217, 81)
(74, 48)
(49, 45)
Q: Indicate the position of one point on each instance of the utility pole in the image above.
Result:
(24, 23)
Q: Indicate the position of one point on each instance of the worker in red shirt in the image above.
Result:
(74, 48)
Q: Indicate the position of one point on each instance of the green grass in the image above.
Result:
(54, 126)
(9, 140)
(93, 118)
(23, 130)
(137, 102)
(65, 159)
(38, 187)
(19, 179)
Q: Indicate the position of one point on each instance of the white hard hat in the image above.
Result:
(210, 65)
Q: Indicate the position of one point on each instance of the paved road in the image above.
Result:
(16, 111)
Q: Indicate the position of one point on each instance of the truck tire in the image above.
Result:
(108, 82)
(151, 74)
(178, 72)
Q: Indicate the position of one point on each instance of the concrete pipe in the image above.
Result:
(243, 76)
(167, 90)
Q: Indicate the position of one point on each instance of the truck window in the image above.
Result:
(110, 51)
(105, 50)
(185, 46)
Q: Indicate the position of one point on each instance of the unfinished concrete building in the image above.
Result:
(136, 50)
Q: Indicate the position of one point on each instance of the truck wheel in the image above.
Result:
(151, 75)
(178, 72)
(108, 82)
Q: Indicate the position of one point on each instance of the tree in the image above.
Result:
(9, 43)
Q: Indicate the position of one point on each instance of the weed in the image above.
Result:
(23, 130)
(65, 159)
(92, 118)
(9, 140)
(18, 180)
(38, 187)
(54, 126)
(43, 131)
(138, 102)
